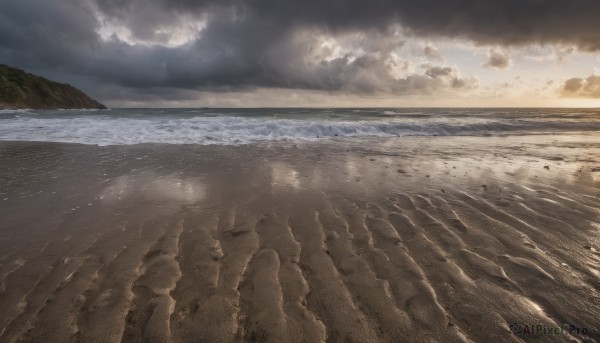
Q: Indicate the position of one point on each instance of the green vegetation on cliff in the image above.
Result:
(19, 89)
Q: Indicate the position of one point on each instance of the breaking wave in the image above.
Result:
(111, 130)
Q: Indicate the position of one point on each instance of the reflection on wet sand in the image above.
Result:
(151, 187)
(283, 175)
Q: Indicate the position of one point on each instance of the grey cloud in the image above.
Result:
(563, 55)
(488, 22)
(437, 72)
(246, 54)
(573, 85)
(433, 54)
(267, 43)
(497, 60)
(584, 88)
(46, 33)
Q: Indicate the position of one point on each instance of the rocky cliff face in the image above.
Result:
(19, 89)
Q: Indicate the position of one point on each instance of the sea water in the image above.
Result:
(245, 126)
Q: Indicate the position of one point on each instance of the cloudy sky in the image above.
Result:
(250, 53)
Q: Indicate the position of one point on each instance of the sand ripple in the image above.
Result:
(373, 256)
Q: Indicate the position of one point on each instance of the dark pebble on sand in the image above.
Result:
(401, 171)
(588, 247)
(547, 167)
(443, 191)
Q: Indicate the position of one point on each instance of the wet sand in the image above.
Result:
(447, 239)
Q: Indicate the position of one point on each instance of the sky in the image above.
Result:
(311, 53)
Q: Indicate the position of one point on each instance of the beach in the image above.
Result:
(424, 239)
(299, 172)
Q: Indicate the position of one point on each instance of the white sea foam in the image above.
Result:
(112, 130)
(8, 111)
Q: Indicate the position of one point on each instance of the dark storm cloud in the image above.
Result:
(487, 21)
(41, 33)
(273, 43)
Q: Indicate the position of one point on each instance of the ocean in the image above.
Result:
(212, 126)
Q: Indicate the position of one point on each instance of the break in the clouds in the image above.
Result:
(174, 48)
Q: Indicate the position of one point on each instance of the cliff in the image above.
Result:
(19, 89)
